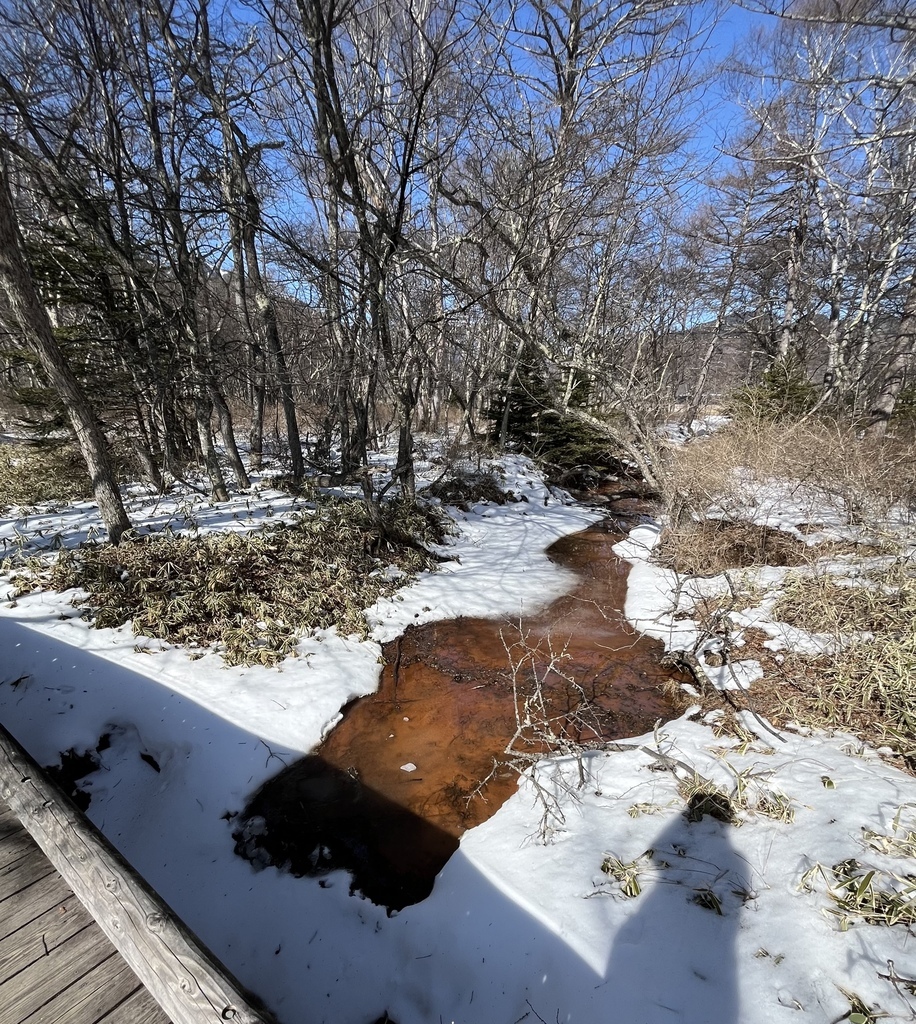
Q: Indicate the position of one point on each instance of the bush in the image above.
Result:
(31, 474)
(251, 597)
(784, 390)
(465, 487)
(535, 425)
(820, 462)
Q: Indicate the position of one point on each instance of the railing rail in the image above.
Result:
(185, 979)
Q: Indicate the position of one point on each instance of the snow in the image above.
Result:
(516, 927)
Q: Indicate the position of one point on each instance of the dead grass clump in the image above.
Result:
(626, 873)
(863, 478)
(464, 488)
(32, 474)
(881, 602)
(879, 897)
(713, 546)
(248, 597)
(704, 798)
(867, 686)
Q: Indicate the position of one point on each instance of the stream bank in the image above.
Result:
(410, 768)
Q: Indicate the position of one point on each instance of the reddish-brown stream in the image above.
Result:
(447, 704)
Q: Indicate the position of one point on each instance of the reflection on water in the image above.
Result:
(393, 787)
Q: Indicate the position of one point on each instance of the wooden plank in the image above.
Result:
(9, 823)
(30, 989)
(14, 846)
(18, 910)
(91, 996)
(22, 873)
(138, 1008)
(41, 936)
(186, 980)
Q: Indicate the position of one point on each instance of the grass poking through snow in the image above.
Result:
(868, 682)
(250, 597)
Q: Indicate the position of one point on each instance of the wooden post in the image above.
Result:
(185, 979)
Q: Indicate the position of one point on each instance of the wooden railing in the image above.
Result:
(186, 980)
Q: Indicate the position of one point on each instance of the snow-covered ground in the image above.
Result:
(515, 929)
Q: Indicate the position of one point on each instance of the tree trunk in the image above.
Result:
(256, 433)
(32, 318)
(405, 466)
(144, 451)
(227, 432)
(237, 187)
(202, 412)
(177, 448)
(255, 356)
(905, 349)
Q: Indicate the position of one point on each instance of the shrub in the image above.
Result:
(818, 462)
(783, 390)
(251, 597)
(31, 474)
(464, 487)
(536, 426)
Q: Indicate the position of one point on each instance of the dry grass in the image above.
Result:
(33, 474)
(626, 873)
(878, 897)
(751, 795)
(880, 601)
(869, 685)
(709, 547)
(248, 597)
(865, 684)
(863, 478)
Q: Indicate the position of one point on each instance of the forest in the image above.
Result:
(457, 495)
(326, 221)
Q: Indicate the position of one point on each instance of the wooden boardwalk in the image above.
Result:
(56, 965)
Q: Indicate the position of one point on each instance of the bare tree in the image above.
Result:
(31, 319)
(563, 194)
(194, 56)
(827, 148)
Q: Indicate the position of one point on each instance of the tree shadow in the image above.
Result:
(674, 958)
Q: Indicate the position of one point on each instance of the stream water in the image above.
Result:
(390, 791)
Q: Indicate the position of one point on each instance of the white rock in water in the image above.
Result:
(409, 767)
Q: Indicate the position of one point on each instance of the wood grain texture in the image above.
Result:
(91, 996)
(9, 823)
(30, 989)
(138, 1008)
(22, 873)
(20, 908)
(41, 936)
(185, 979)
(56, 966)
(14, 846)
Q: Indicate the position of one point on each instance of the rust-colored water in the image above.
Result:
(447, 704)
